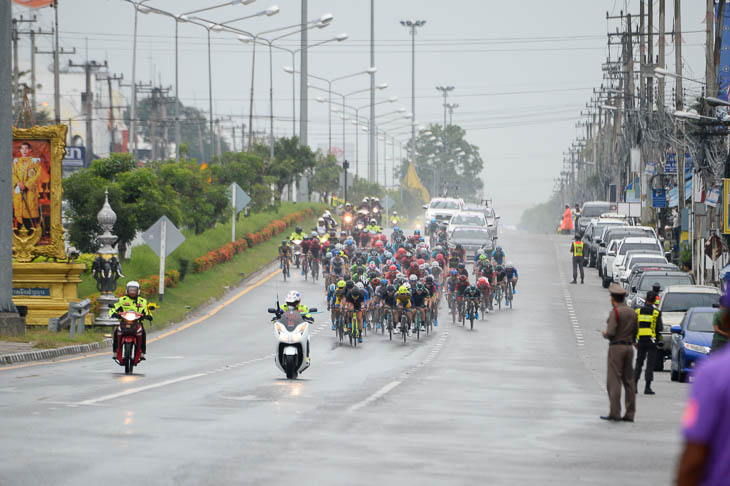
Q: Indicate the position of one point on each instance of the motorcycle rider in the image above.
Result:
(329, 221)
(321, 226)
(294, 301)
(132, 301)
(298, 234)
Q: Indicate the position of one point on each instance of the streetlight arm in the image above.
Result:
(233, 2)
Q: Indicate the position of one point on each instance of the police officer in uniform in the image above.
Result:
(576, 249)
(621, 330)
(650, 325)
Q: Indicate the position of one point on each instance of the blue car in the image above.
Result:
(691, 341)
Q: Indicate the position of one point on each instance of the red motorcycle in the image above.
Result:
(129, 344)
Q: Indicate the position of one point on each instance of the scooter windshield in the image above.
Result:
(291, 319)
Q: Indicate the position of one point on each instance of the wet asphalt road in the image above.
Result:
(516, 401)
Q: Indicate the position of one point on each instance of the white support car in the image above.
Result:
(633, 259)
(442, 209)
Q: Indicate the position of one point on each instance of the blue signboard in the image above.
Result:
(659, 198)
(75, 157)
(688, 166)
(670, 167)
(688, 188)
(673, 197)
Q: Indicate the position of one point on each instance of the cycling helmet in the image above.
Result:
(422, 266)
(413, 277)
(373, 222)
(435, 264)
(356, 292)
(332, 287)
(133, 284)
(407, 285)
(395, 228)
(509, 264)
(403, 289)
(461, 266)
(482, 257)
(480, 251)
(400, 275)
(363, 279)
(388, 255)
(284, 242)
(420, 287)
(314, 234)
(433, 220)
(349, 285)
(293, 298)
(392, 268)
(329, 254)
(375, 281)
(341, 284)
(305, 238)
(360, 285)
(390, 289)
(414, 265)
(383, 238)
(298, 229)
(378, 244)
(499, 247)
(417, 232)
(453, 272)
(429, 279)
(482, 282)
(339, 246)
(462, 278)
(335, 253)
(472, 288)
(421, 261)
(326, 243)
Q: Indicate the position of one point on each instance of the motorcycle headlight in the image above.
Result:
(348, 219)
(697, 348)
(376, 210)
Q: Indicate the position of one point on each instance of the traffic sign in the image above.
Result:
(239, 198)
(388, 203)
(670, 167)
(154, 236)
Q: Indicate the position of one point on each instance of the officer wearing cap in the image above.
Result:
(650, 326)
(621, 330)
(576, 249)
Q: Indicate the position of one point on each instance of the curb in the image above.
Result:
(53, 353)
(46, 354)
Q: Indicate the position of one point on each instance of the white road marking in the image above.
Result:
(131, 391)
(378, 394)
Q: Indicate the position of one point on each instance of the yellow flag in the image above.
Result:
(412, 181)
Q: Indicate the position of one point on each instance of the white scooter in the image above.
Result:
(297, 252)
(291, 332)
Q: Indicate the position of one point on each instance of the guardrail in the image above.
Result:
(77, 312)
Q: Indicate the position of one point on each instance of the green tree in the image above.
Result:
(247, 170)
(84, 193)
(326, 179)
(361, 189)
(109, 167)
(458, 175)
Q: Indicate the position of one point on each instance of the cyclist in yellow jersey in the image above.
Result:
(403, 304)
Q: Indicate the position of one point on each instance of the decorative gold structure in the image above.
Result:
(26, 243)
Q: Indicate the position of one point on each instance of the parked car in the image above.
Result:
(592, 238)
(691, 341)
(642, 282)
(628, 244)
(673, 304)
(636, 258)
(471, 238)
(467, 218)
(590, 210)
(443, 208)
(611, 233)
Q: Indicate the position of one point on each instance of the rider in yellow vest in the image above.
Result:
(576, 249)
(650, 326)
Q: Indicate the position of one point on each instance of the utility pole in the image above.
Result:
(413, 26)
(302, 185)
(650, 60)
(710, 78)
(233, 137)
(10, 321)
(445, 90)
(642, 60)
(451, 107)
(88, 99)
(372, 154)
(112, 127)
(679, 95)
(661, 61)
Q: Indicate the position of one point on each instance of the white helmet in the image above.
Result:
(435, 264)
(293, 298)
(360, 285)
(133, 284)
(327, 214)
(413, 277)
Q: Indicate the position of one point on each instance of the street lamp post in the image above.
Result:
(445, 92)
(413, 25)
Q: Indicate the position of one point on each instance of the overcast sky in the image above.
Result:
(522, 69)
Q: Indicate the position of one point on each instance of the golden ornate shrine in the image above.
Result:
(46, 288)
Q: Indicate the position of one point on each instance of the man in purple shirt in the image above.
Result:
(705, 460)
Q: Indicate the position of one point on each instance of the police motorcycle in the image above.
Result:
(376, 212)
(129, 339)
(297, 252)
(291, 335)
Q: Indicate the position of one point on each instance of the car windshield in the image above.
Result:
(467, 234)
(613, 234)
(638, 246)
(467, 219)
(601, 226)
(680, 302)
(595, 210)
(664, 281)
(445, 205)
(638, 260)
(701, 322)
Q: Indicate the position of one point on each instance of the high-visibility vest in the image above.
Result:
(578, 248)
(647, 323)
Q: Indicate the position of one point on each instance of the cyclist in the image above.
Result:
(337, 265)
(306, 244)
(460, 291)
(501, 278)
(403, 304)
(314, 248)
(498, 255)
(461, 269)
(484, 290)
(511, 273)
(453, 260)
(436, 270)
(433, 289)
(420, 299)
(336, 301)
(285, 256)
(355, 300)
(471, 293)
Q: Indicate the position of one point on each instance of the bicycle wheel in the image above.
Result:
(340, 328)
(355, 330)
(471, 314)
(284, 270)
(389, 319)
(418, 325)
(404, 328)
